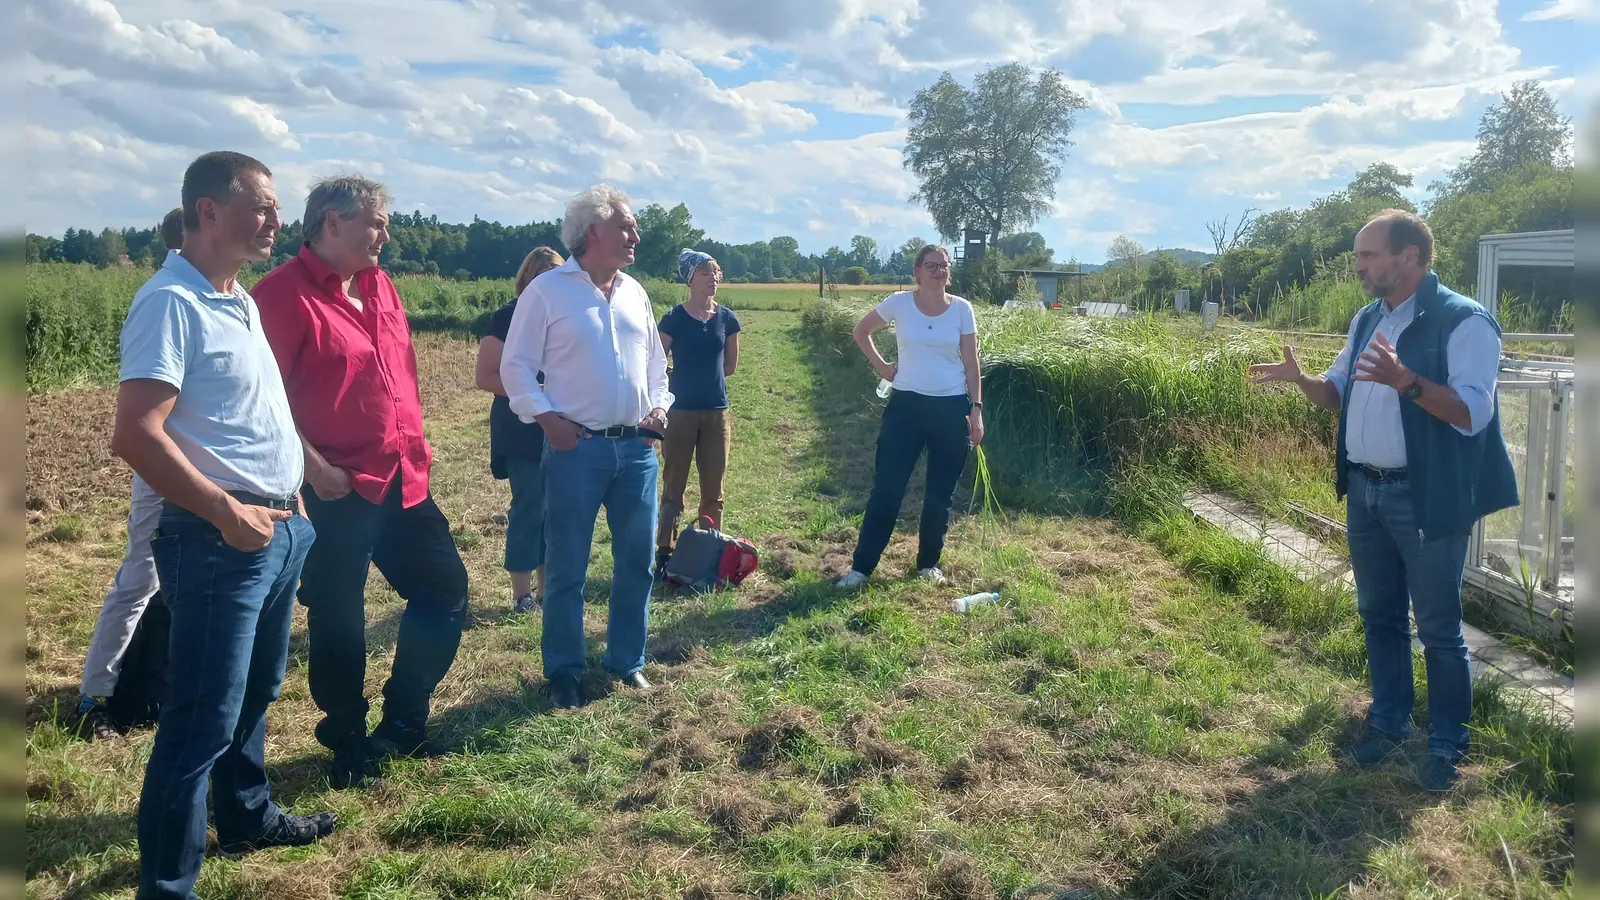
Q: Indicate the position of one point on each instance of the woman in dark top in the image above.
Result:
(515, 446)
(702, 339)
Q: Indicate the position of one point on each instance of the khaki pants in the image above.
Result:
(705, 435)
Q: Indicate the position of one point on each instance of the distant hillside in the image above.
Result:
(1194, 257)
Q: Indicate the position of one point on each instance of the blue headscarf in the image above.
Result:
(688, 261)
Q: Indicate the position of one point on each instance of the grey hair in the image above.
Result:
(587, 209)
(347, 195)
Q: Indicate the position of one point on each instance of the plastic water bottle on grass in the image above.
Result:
(963, 604)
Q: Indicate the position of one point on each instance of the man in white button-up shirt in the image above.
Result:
(1420, 459)
(589, 327)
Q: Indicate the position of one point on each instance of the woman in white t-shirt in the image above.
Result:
(936, 404)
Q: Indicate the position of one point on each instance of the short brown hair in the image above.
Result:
(215, 176)
(538, 261)
(928, 250)
(172, 229)
(1407, 229)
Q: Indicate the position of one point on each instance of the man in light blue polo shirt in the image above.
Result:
(202, 417)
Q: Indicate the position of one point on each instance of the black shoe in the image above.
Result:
(354, 765)
(1373, 748)
(637, 681)
(1437, 774)
(393, 738)
(563, 693)
(288, 831)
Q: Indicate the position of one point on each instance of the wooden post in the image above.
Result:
(822, 274)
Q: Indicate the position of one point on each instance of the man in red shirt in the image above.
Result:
(339, 332)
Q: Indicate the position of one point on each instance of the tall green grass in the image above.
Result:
(74, 313)
(1073, 403)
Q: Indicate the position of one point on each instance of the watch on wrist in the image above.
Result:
(1413, 390)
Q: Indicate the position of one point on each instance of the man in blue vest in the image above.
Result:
(1421, 458)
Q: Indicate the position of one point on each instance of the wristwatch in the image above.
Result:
(1413, 390)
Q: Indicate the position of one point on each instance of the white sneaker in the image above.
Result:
(852, 579)
(932, 574)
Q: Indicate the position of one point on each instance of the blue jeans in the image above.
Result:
(525, 518)
(231, 613)
(619, 474)
(1396, 567)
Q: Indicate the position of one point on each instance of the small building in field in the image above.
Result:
(1049, 282)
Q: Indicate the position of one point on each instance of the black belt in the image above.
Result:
(290, 503)
(620, 431)
(1374, 473)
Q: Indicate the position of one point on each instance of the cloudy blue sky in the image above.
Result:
(766, 117)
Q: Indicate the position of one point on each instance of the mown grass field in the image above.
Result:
(1151, 712)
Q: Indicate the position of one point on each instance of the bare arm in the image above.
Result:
(863, 336)
(1319, 391)
(730, 355)
(1444, 403)
(969, 361)
(139, 437)
(486, 374)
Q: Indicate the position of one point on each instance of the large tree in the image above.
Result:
(663, 234)
(1382, 181)
(1522, 130)
(987, 158)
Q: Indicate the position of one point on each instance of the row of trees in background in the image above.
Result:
(421, 244)
(1285, 265)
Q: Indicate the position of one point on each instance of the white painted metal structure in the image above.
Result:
(1540, 535)
(1528, 248)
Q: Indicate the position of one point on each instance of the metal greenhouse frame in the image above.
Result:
(1525, 556)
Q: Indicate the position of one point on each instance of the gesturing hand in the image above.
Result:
(1288, 370)
(1381, 364)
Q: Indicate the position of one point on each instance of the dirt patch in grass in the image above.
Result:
(960, 877)
(781, 731)
(862, 734)
(737, 810)
(683, 749)
(70, 467)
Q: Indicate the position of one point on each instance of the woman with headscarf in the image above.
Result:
(515, 447)
(701, 338)
(936, 404)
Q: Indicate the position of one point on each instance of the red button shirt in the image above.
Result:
(351, 374)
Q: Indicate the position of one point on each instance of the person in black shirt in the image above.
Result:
(515, 447)
(702, 339)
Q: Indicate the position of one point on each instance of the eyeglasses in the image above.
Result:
(936, 267)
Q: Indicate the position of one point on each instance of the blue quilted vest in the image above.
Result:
(1455, 479)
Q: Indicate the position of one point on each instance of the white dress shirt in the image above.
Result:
(602, 359)
(1374, 435)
